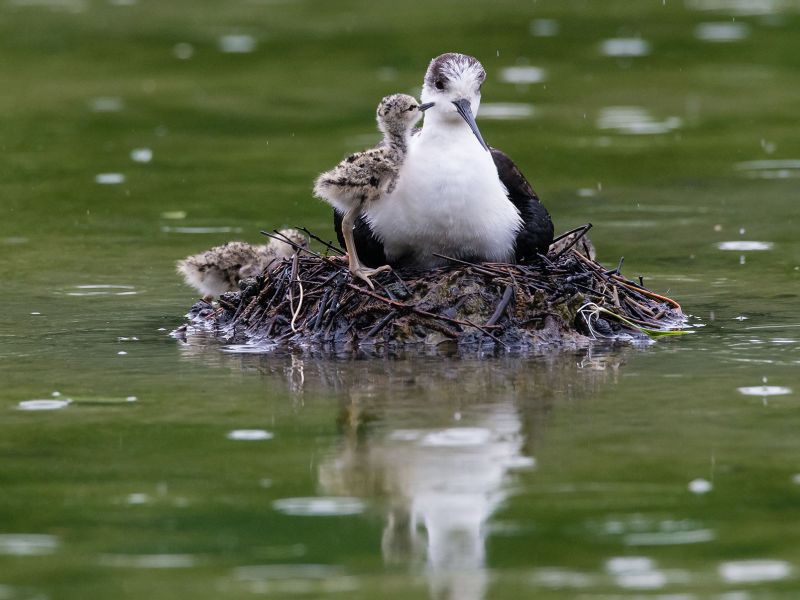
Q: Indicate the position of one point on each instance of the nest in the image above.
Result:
(566, 298)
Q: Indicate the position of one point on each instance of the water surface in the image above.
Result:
(133, 465)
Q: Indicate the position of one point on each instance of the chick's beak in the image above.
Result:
(426, 106)
(464, 109)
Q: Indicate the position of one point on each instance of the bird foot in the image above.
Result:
(365, 273)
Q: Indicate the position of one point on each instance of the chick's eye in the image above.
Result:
(439, 84)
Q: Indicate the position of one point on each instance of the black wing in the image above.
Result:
(536, 234)
(368, 246)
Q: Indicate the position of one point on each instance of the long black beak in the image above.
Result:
(426, 106)
(465, 110)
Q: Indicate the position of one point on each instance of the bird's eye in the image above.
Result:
(439, 84)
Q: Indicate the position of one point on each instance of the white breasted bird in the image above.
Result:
(454, 195)
(219, 269)
(361, 181)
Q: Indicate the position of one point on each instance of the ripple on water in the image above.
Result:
(523, 74)
(102, 290)
(625, 47)
(148, 561)
(507, 111)
(106, 104)
(141, 155)
(109, 178)
(738, 7)
(248, 348)
(724, 31)
(544, 28)
(635, 120)
(770, 169)
(764, 390)
(249, 435)
(744, 245)
(27, 544)
(49, 404)
(332, 506)
(754, 571)
(194, 230)
(240, 43)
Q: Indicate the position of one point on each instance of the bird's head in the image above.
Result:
(398, 113)
(453, 82)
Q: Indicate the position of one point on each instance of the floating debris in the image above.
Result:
(310, 301)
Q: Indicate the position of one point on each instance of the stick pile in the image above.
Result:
(566, 298)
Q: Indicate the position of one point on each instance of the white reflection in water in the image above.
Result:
(741, 7)
(250, 435)
(192, 230)
(319, 506)
(770, 169)
(744, 245)
(764, 390)
(523, 74)
(753, 571)
(148, 561)
(28, 544)
(102, 290)
(724, 31)
(106, 104)
(43, 404)
(141, 155)
(448, 481)
(109, 178)
(237, 44)
(635, 120)
(700, 486)
(544, 27)
(625, 47)
(506, 110)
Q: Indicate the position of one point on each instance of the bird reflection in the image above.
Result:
(437, 443)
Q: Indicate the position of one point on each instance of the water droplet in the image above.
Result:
(43, 404)
(122, 353)
(249, 434)
(320, 506)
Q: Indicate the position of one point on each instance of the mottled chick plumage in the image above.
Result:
(219, 269)
(364, 177)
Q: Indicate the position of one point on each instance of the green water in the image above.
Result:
(632, 473)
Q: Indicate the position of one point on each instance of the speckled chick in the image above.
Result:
(219, 269)
(364, 177)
